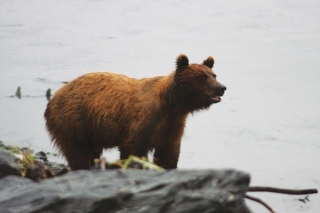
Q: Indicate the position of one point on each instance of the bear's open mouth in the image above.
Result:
(215, 99)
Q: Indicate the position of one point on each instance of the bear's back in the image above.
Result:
(103, 106)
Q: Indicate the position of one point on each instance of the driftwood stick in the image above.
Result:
(282, 191)
(276, 190)
(260, 201)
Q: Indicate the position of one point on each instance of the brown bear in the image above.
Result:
(103, 110)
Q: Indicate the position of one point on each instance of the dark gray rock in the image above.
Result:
(40, 157)
(8, 164)
(126, 191)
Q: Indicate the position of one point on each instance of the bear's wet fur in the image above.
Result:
(103, 110)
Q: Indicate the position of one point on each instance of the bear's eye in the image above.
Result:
(214, 75)
(204, 76)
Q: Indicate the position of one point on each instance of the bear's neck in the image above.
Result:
(173, 96)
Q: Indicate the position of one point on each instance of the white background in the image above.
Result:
(267, 54)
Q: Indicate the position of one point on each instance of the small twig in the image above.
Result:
(147, 164)
(128, 161)
(260, 201)
(283, 191)
(103, 162)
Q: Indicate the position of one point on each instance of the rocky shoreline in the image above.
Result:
(23, 161)
(119, 190)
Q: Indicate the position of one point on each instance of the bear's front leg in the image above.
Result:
(167, 156)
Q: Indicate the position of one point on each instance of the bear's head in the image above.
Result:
(197, 84)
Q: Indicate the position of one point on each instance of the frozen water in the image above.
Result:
(267, 54)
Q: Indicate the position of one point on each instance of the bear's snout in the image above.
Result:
(222, 88)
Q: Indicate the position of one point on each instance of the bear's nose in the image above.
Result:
(222, 88)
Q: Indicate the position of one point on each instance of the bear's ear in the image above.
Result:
(182, 61)
(209, 62)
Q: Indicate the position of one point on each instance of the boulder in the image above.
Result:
(8, 164)
(124, 191)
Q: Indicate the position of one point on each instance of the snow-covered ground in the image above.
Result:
(267, 54)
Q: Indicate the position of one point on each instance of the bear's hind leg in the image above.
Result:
(77, 158)
(78, 161)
